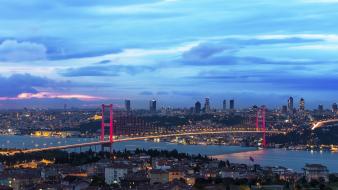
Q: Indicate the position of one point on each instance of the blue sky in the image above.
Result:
(85, 52)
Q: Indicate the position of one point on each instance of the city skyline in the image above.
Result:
(197, 107)
(83, 54)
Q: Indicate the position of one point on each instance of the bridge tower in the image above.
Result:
(260, 119)
(104, 124)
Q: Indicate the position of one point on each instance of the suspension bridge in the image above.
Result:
(109, 123)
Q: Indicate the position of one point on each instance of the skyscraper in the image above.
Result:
(127, 105)
(334, 108)
(197, 107)
(290, 104)
(320, 108)
(232, 104)
(301, 104)
(224, 105)
(207, 105)
(284, 109)
(152, 106)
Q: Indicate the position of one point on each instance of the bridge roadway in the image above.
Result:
(320, 124)
(132, 139)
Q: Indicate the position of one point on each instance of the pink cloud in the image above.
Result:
(46, 95)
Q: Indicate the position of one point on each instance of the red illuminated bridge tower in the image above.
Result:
(260, 123)
(109, 124)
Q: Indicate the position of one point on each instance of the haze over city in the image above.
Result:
(177, 51)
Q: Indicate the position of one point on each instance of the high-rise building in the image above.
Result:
(127, 105)
(224, 105)
(334, 108)
(284, 109)
(197, 107)
(320, 108)
(232, 104)
(290, 104)
(152, 106)
(302, 104)
(207, 105)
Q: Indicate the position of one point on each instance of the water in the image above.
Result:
(295, 160)
(26, 142)
(267, 157)
(190, 149)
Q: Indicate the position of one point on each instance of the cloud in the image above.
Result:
(317, 47)
(162, 93)
(146, 93)
(320, 1)
(204, 50)
(14, 51)
(82, 3)
(223, 51)
(61, 54)
(187, 93)
(30, 86)
(26, 86)
(22, 83)
(306, 37)
(239, 38)
(270, 40)
(52, 95)
(104, 70)
(281, 80)
(104, 62)
(226, 60)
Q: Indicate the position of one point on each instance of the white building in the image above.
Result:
(227, 172)
(115, 173)
(316, 172)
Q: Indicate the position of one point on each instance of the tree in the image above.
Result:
(98, 182)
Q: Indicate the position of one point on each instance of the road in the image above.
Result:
(320, 124)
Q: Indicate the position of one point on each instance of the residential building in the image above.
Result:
(115, 173)
(159, 176)
(316, 172)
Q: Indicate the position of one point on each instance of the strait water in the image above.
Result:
(267, 157)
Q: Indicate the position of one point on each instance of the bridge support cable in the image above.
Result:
(109, 124)
(261, 123)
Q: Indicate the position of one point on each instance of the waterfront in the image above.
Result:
(268, 157)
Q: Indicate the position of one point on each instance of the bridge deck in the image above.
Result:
(132, 139)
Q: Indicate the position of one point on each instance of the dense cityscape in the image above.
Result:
(143, 167)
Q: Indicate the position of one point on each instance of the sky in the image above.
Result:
(83, 53)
